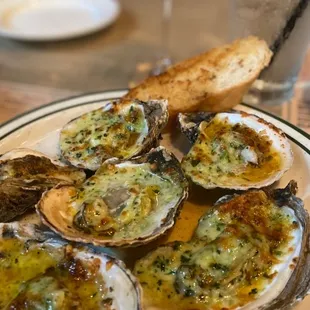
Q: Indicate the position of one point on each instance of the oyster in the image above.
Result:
(39, 271)
(25, 175)
(118, 129)
(234, 150)
(124, 203)
(250, 251)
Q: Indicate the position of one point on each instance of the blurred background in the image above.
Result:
(107, 59)
(142, 33)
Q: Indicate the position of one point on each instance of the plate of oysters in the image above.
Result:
(170, 195)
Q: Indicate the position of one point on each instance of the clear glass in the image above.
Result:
(185, 29)
(285, 25)
(163, 61)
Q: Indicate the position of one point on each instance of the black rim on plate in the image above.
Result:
(306, 135)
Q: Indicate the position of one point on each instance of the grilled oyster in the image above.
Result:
(39, 271)
(251, 251)
(234, 150)
(124, 203)
(118, 129)
(25, 175)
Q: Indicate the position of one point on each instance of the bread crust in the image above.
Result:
(213, 81)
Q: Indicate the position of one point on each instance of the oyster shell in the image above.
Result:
(25, 175)
(234, 150)
(39, 270)
(124, 203)
(251, 251)
(118, 129)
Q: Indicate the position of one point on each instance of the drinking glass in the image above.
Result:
(163, 61)
(284, 25)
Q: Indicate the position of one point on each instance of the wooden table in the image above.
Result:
(32, 74)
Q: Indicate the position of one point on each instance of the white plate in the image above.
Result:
(39, 129)
(46, 20)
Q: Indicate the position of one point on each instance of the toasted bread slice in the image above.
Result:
(213, 81)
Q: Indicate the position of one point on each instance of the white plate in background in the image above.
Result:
(48, 20)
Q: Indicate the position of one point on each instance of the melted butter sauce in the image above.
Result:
(199, 202)
(27, 265)
(145, 196)
(38, 277)
(158, 270)
(231, 155)
(111, 133)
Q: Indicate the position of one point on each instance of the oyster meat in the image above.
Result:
(124, 203)
(250, 251)
(39, 271)
(25, 175)
(118, 129)
(234, 150)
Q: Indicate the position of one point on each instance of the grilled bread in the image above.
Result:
(213, 81)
